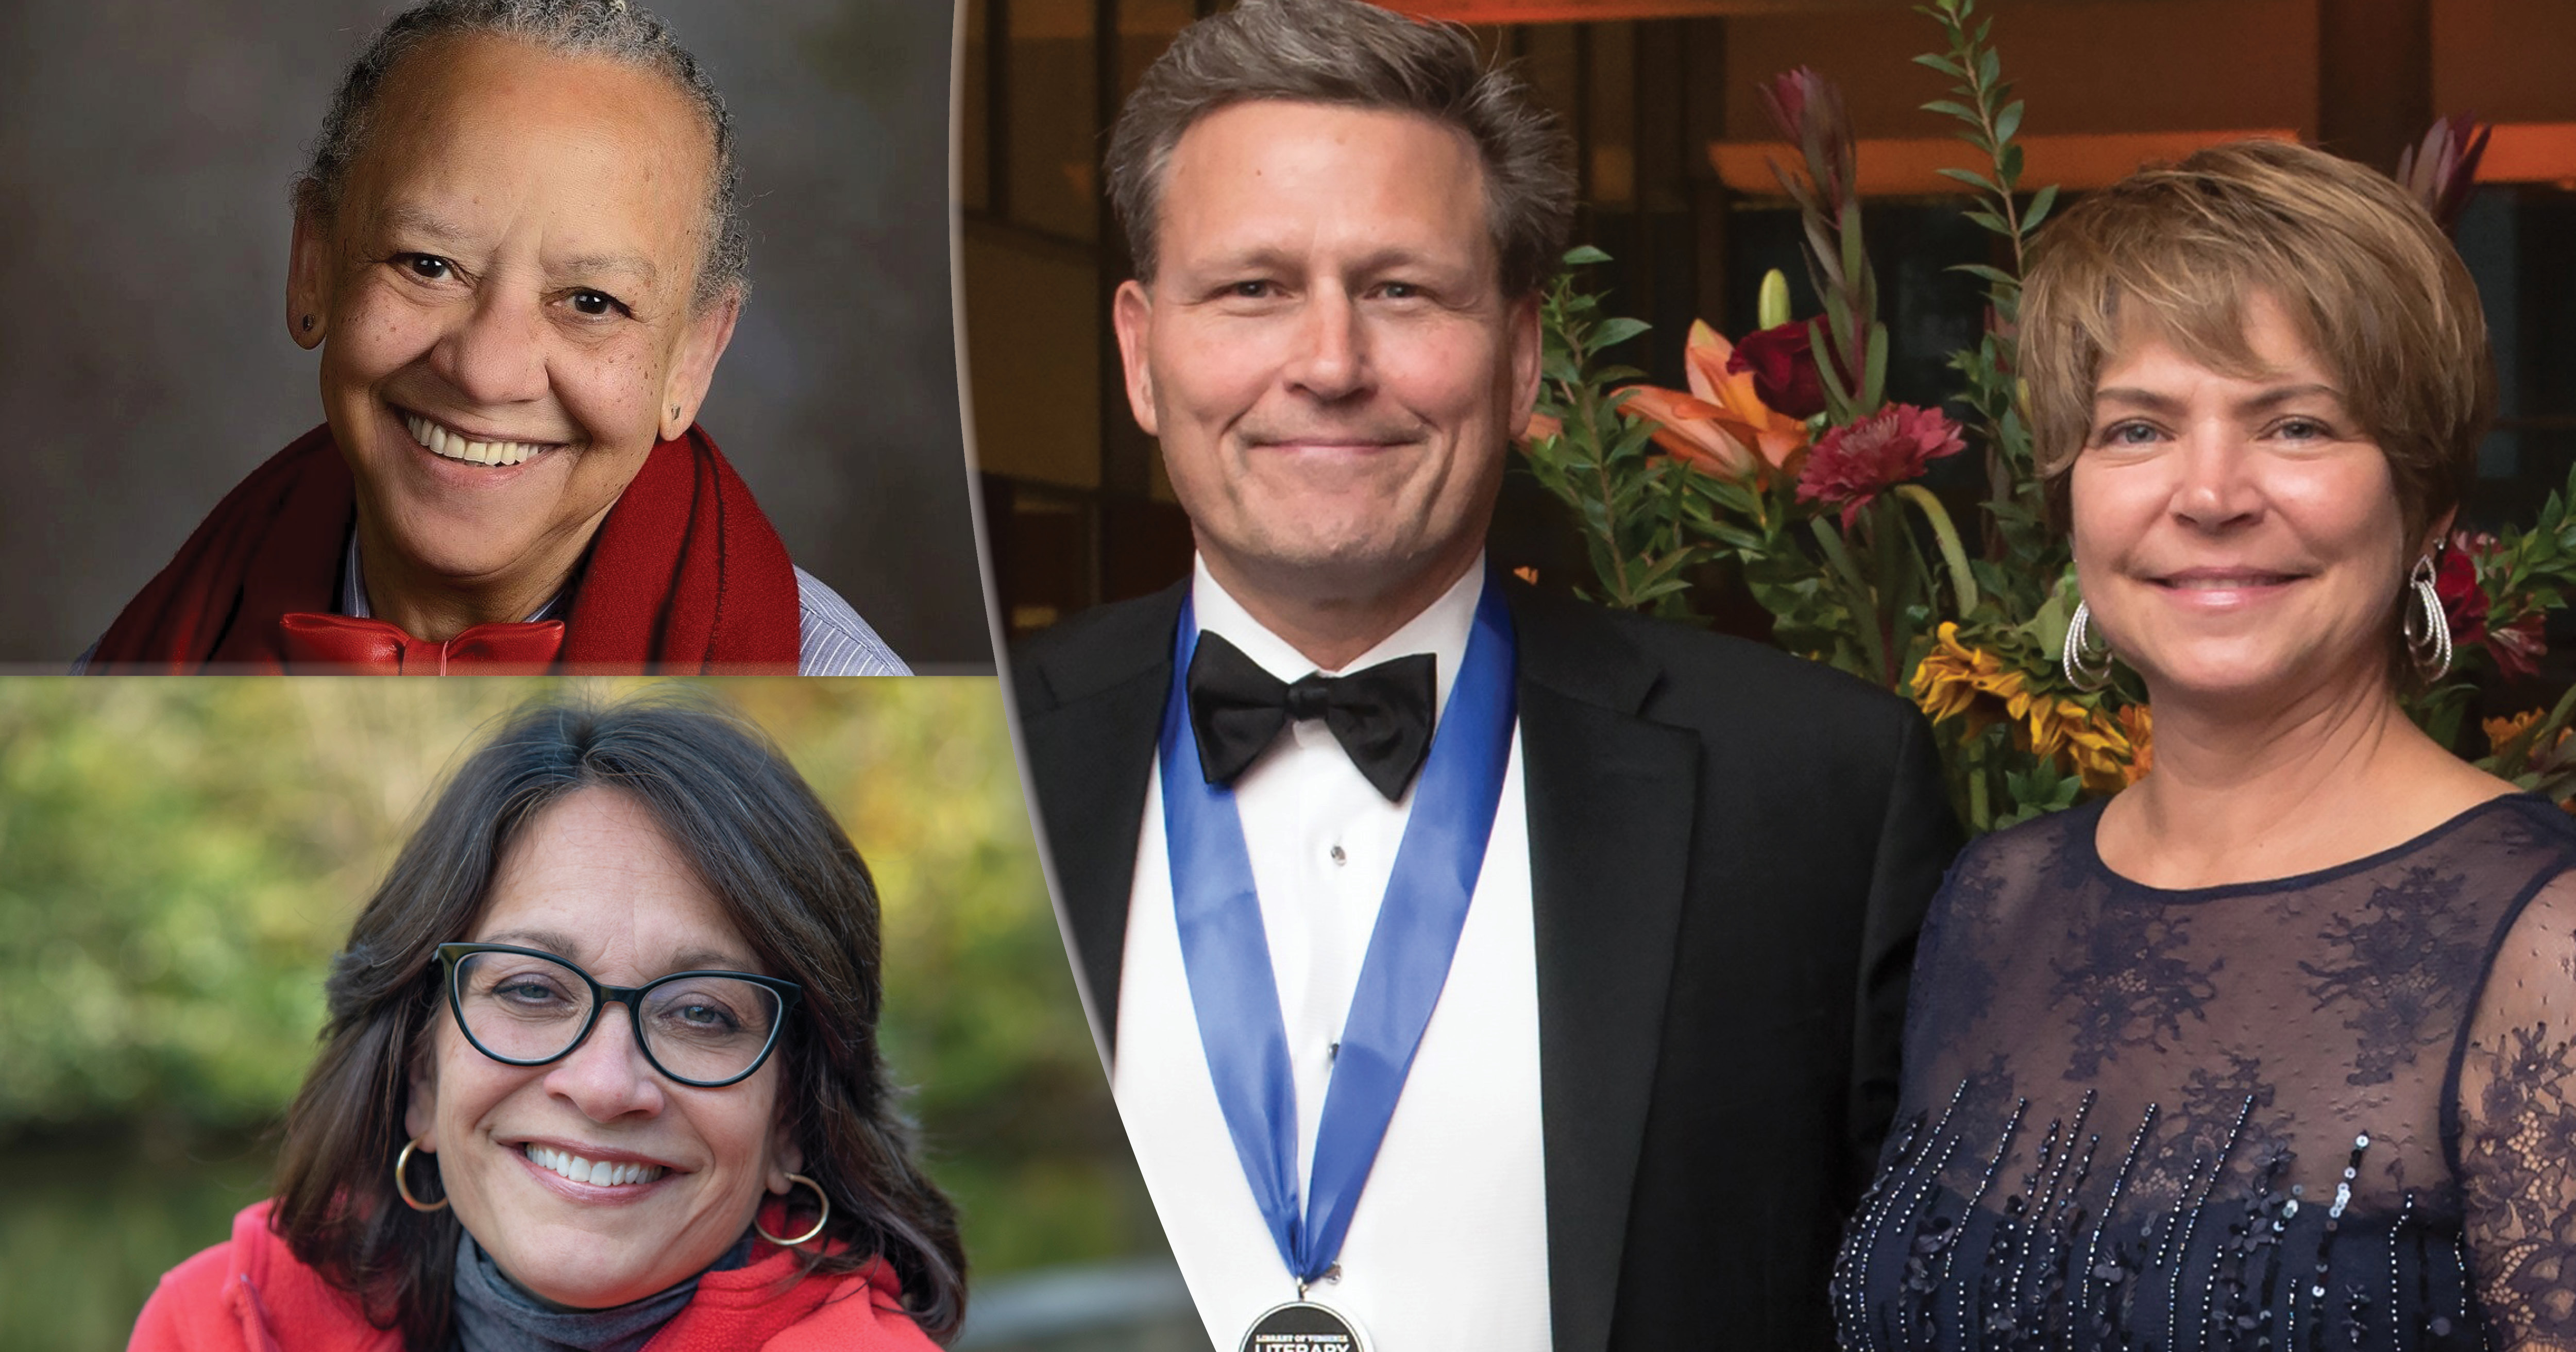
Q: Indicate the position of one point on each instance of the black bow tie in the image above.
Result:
(1380, 715)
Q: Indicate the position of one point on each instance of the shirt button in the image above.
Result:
(1339, 857)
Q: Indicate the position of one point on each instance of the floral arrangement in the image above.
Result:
(1784, 462)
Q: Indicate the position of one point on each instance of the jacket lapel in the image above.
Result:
(1611, 800)
(1089, 728)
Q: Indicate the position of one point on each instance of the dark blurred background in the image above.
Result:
(145, 151)
(179, 859)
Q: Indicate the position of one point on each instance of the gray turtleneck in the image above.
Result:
(496, 1314)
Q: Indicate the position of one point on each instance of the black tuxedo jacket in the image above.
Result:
(1730, 852)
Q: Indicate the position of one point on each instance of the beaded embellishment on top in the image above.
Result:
(2317, 1113)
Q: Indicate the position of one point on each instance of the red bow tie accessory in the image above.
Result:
(346, 644)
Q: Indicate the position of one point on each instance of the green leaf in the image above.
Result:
(1825, 373)
(1873, 390)
(1855, 261)
(2048, 625)
(1821, 256)
(1614, 332)
(1954, 108)
(1942, 64)
(1946, 536)
(1582, 254)
(2008, 121)
(1972, 178)
(2040, 202)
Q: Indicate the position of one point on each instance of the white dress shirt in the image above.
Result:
(1447, 1248)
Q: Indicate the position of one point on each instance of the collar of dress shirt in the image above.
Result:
(353, 591)
(1440, 629)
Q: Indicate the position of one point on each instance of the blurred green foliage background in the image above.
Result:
(179, 859)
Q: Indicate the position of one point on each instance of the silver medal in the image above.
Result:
(1303, 1326)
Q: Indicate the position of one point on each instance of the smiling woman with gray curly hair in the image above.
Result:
(519, 253)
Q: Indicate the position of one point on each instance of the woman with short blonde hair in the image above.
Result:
(2271, 1050)
(2374, 288)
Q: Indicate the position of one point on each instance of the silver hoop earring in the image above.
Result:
(2426, 626)
(403, 1185)
(2084, 670)
(818, 1221)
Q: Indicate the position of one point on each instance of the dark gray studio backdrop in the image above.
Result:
(145, 150)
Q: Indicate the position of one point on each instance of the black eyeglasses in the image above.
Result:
(527, 1007)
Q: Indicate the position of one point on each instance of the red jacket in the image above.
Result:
(251, 1295)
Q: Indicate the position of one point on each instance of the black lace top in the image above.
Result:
(2332, 1111)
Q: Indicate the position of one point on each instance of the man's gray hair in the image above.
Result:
(1355, 55)
(610, 29)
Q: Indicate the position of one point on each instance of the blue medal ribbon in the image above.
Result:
(1227, 956)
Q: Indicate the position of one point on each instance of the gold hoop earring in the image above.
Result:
(819, 1221)
(403, 1185)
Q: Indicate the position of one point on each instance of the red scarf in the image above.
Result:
(685, 575)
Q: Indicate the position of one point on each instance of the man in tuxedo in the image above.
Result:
(1576, 1030)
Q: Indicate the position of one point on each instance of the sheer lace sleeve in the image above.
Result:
(2516, 1129)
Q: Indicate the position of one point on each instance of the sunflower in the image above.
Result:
(2107, 749)
(2139, 726)
(1956, 680)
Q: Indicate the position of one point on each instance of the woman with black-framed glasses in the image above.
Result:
(486, 1157)
(528, 1007)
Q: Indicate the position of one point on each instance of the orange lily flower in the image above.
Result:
(1722, 425)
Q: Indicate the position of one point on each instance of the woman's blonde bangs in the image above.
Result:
(2178, 252)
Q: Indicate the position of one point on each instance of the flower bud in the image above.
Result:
(1773, 309)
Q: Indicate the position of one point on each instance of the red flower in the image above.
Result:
(2456, 582)
(2443, 171)
(2514, 646)
(1808, 110)
(1784, 97)
(1783, 364)
(1854, 464)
